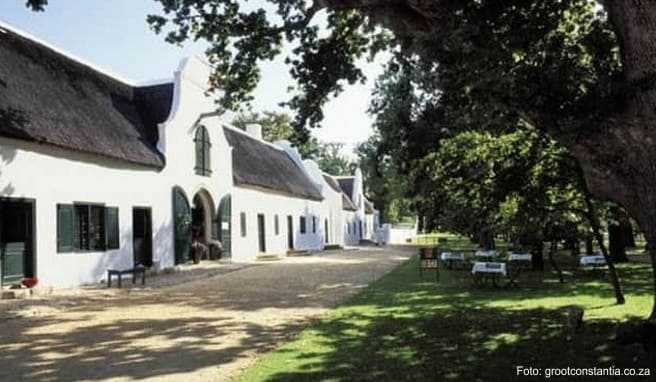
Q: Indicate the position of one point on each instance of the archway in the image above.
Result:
(225, 225)
(181, 226)
(203, 218)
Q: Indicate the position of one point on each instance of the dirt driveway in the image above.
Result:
(202, 330)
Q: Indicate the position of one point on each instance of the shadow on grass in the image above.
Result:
(405, 328)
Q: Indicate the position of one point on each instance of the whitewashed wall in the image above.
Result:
(253, 202)
(391, 235)
(54, 176)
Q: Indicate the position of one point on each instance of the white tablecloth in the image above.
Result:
(485, 267)
(487, 254)
(593, 260)
(452, 256)
(519, 257)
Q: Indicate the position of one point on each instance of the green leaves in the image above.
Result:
(242, 35)
(36, 5)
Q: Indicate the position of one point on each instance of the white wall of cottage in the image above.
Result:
(50, 176)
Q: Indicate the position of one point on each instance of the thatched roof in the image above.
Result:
(368, 207)
(50, 98)
(332, 183)
(347, 204)
(258, 164)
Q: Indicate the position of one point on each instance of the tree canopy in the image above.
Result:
(580, 71)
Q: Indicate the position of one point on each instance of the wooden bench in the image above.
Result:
(133, 271)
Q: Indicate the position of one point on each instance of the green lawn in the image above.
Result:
(406, 328)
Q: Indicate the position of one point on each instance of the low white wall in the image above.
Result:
(391, 235)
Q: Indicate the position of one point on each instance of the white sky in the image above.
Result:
(114, 36)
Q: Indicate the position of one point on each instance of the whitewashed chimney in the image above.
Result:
(254, 130)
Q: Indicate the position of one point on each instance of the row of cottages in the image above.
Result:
(97, 174)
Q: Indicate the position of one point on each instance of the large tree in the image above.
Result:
(582, 74)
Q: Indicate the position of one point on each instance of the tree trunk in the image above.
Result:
(596, 231)
(616, 239)
(589, 245)
(537, 256)
(627, 228)
(651, 249)
(617, 158)
(572, 245)
(552, 261)
(486, 239)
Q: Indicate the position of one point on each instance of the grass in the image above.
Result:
(406, 328)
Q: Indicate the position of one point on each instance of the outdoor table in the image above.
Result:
(593, 261)
(490, 270)
(451, 258)
(520, 257)
(485, 254)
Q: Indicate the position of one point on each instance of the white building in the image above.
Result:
(97, 173)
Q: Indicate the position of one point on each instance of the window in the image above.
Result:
(302, 224)
(87, 227)
(203, 145)
(276, 225)
(314, 224)
(242, 223)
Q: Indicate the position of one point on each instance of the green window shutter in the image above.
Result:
(65, 228)
(199, 157)
(207, 169)
(112, 238)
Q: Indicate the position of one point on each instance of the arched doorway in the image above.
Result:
(181, 226)
(225, 225)
(202, 217)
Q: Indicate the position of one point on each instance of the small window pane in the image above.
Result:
(242, 223)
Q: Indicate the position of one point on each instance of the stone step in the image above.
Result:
(332, 247)
(295, 253)
(265, 257)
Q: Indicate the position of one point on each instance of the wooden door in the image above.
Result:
(225, 226)
(142, 236)
(290, 232)
(261, 227)
(181, 226)
(16, 241)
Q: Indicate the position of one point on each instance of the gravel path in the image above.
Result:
(202, 330)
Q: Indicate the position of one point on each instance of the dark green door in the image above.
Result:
(181, 226)
(16, 261)
(225, 225)
(142, 237)
(290, 232)
(261, 231)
